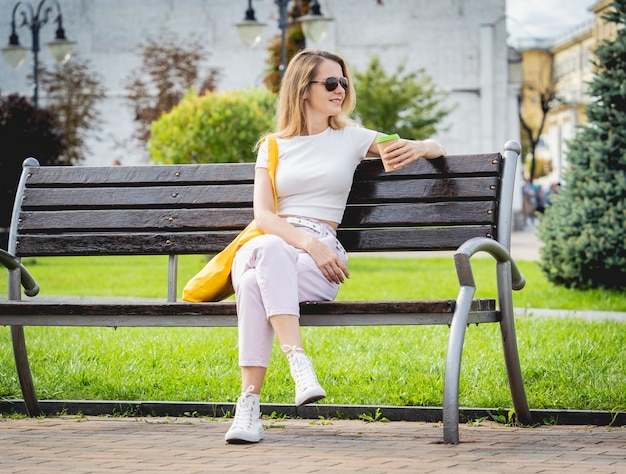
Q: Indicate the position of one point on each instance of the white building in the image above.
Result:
(460, 43)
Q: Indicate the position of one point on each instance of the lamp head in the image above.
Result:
(315, 25)
(249, 30)
(61, 48)
(14, 54)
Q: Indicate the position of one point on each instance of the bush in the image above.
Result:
(25, 131)
(584, 226)
(213, 128)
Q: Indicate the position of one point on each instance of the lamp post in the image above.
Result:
(314, 27)
(35, 19)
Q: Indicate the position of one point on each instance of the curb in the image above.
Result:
(311, 412)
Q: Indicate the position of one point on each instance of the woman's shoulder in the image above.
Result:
(355, 132)
(353, 128)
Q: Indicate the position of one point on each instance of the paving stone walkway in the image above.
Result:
(167, 445)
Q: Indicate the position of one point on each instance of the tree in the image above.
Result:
(584, 227)
(167, 72)
(536, 98)
(405, 103)
(25, 131)
(294, 42)
(72, 94)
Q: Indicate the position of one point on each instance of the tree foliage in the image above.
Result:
(294, 42)
(584, 228)
(213, 128)
(168, 70)
(409, 104)
(25, 131)
(72, 92)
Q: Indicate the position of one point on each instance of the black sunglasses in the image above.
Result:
(331, 83)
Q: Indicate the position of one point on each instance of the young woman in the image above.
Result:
(299, 258)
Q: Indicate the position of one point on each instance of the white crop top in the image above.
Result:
(315, 172)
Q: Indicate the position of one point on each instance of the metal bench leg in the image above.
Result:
(453, 365)
(19, 344)
(23, 371)
(509, 342)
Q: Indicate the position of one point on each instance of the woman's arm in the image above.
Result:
(403, 152)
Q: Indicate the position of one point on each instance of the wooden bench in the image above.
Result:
(460, 203)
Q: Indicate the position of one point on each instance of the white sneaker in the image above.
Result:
(308, 389)
(246, 427)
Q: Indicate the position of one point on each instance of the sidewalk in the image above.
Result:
(151, 445)
(525, 245)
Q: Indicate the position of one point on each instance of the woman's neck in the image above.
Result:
(315, 125)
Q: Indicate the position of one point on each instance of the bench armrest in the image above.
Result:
(495, 249)
(508, 277)
(31, 287)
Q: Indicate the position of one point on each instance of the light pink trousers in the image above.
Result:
(271, 277)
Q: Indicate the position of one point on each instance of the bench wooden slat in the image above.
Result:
(173, 197)
(422, 238)
(138, 220)
(170, 243)
(224, 314)
(134, 220)
(140, 175)
(155, 243)
(452, 165)
(374, 192)
(181, 320)
(419, 214)
(243, 172)
(95, 307)
(449, 189)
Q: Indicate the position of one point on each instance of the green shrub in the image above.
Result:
(213, 128)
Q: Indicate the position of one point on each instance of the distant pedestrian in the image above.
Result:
(529, 203)
(553, 190)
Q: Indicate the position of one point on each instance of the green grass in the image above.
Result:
(567, 363)
(372, 278)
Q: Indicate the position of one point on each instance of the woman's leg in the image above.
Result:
(270, 278)
(264, 276)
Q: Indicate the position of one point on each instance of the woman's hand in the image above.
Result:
(333, 268)
(402, 152)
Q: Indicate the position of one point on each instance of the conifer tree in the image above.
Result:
(584, 227)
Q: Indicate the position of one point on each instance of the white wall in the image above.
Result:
(460, 43)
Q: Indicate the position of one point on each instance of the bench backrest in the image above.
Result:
(185, 209)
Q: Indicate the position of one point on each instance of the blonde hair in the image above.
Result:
(290, 117)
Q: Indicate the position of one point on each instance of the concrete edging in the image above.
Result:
(315, 412)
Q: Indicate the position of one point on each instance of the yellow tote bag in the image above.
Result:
(213, 282)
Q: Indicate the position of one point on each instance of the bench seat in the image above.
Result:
(168, 314)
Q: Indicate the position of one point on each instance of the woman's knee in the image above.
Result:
(271, 244)
(247, 283)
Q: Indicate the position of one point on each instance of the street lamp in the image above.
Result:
(60, 48)
(314, 27)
